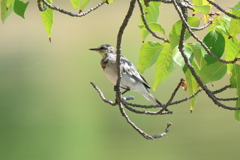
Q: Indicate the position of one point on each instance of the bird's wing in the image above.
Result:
(129, 68)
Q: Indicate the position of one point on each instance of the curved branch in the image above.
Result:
(56, 8)
(146, 25)
(202, 27)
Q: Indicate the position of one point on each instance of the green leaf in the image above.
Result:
(212, 72)
(151, 15)
(235, 83)
(199, 53)
(75, 3)
(216, 43)
(153, 26)
(203, 9)
(197, 2)
(85, 2)
(177, 57)
(164, 66)
(19, 7)
(47, 19)
(235, 23)
(6, 9)
(221, 25)
(175, 32)
(144, 32)
(192, 85)
(148, 55)
(231, 51)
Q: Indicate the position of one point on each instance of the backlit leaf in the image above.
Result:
(177, 57)
(164, 65)
(148, 55)
(235, 83)
(175, 32)
(84, 3)
(192, 85)
(6, 9)
(75, 3)
(151, 15)
(235, 23)
(47, 19)
(203, 9)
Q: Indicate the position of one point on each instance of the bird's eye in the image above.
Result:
(102, 48)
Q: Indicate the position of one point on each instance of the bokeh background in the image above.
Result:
(49, 110)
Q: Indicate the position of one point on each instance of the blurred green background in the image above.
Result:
(49, 110)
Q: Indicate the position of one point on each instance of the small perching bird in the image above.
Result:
(131, 78)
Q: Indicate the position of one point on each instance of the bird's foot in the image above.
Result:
(126, 90)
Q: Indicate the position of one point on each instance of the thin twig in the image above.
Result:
(172, 96)
(144, 112)
(221, 89)
(40, 7)
(102, 96)
(202, 27)
(227, 99)
(146, 25)
(164, 133)
(56, 8)
(222, 10)
(162, 105)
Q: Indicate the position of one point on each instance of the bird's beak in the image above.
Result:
(94, 49)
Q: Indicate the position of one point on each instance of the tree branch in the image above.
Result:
(56, 8)
(181, 49)
(146, 25)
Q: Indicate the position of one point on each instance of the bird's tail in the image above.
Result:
(151, 98)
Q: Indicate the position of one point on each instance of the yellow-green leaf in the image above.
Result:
(75, 3)
(164, 65)
(203, 9)
(84, 3)
(192, 85)
(6, 9)
(235, 83)
(148, 55)
(47, 19)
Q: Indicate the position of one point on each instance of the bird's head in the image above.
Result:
(103, 49)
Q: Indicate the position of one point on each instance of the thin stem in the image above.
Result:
(56, 8)
(222, 10)
(146, 25)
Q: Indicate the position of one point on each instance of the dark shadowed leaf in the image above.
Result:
(19, 7)
(216, 43)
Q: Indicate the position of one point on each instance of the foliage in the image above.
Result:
(221, 40)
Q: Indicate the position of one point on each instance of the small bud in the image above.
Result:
(183, 84)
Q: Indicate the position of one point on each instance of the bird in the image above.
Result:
(131, 78)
